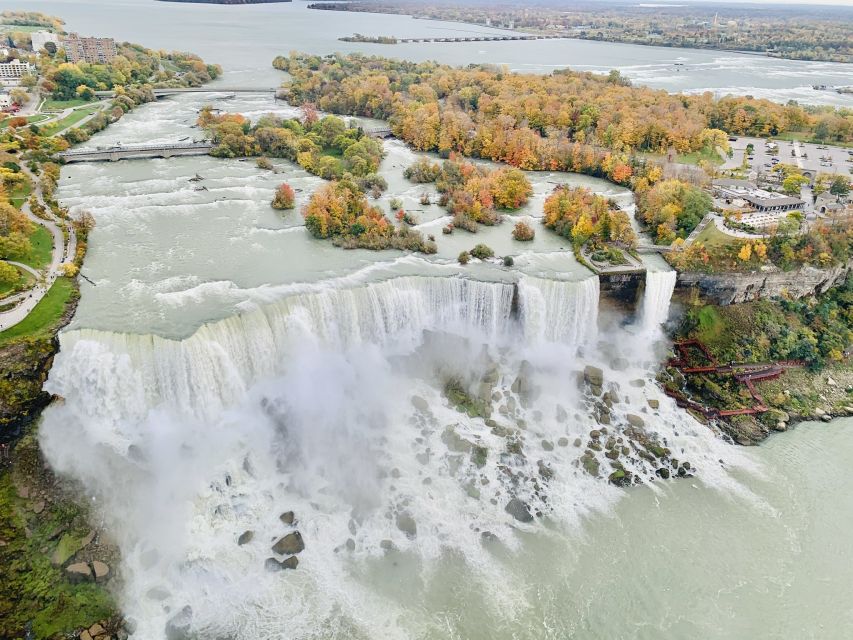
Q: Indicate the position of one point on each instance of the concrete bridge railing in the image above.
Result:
(113, 154)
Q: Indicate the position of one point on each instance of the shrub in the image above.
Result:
(464, 257)
(264, 163)
(482, 251)
(508, 261)
(284, 197)
(396, 204)
(422, 171)
(523, 232)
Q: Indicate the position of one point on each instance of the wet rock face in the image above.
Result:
(519, 510)
(289, 544)
(732, 288)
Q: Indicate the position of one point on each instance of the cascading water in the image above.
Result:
(656, 299)
(406, 422)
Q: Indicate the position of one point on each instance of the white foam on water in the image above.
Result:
(305, 404)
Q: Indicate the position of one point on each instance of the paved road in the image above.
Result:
(59, 254)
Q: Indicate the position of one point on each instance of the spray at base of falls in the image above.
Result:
(332, 404)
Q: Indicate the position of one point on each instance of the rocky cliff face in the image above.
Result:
(731, 288)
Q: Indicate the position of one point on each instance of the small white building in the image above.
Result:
(5, 100)
(42, 38)
(12, 72)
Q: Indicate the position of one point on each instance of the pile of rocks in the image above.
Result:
(103, 631)
(288, 545)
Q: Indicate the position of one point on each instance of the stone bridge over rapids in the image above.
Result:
(170, 91)
(128, 152)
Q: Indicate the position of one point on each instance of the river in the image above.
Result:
(225, 368)
(245, 39)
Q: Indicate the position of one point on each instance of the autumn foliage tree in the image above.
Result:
(284, 197)
(341, 212)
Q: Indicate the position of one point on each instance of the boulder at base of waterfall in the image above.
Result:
(289, 544)
(78, 572)
(101, 570)
(287, 517)
(519, 510)
(654, 403)
(272, 565)
(407, 524)
(634, 420)
(593, 376)
(245, 538)
(290, 563)
(420, 404)
(178, 627)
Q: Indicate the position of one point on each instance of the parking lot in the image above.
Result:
(804, 155)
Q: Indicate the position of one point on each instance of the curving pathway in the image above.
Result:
(60, 254)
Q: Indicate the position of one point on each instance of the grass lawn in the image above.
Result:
(45, 315)
(69, 121)
(20, 194)
(711, 236)
(42, 242)
(708, 155)
(58, 105)
(25, 281)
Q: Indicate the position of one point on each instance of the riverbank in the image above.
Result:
(810, 336)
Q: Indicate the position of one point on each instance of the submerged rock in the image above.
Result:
(245, 538)
(406, 523)
(178, 627)
(519, 510)
(272, 565)
(290, 563)
(420, 404)
(289, 544)
(287, 517)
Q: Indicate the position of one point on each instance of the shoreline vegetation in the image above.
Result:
(795, 33)
(55, 565)
(585, 123)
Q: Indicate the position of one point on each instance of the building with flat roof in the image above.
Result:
(756, 207)
(11, 72)
(41, 39)
(91, 50)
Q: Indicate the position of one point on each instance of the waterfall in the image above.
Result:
(656, 299)
(559, 311)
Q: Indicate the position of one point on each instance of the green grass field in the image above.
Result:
(43, 318)
(66, 123)
(58, 105)
(25, 280)
(42, 242)
(710, 236)
(20, 194)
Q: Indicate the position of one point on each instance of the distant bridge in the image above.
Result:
(168, 91)
(380, 133)
(654, 248)
(127, 152)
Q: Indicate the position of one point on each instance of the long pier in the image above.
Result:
(169, 91)
(129, 152)
(482, 38)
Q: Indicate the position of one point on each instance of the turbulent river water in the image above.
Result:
(226, 368)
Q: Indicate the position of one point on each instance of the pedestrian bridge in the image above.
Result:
(169, 91)
(128, 152)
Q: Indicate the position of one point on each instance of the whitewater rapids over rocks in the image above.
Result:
(343, 405)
